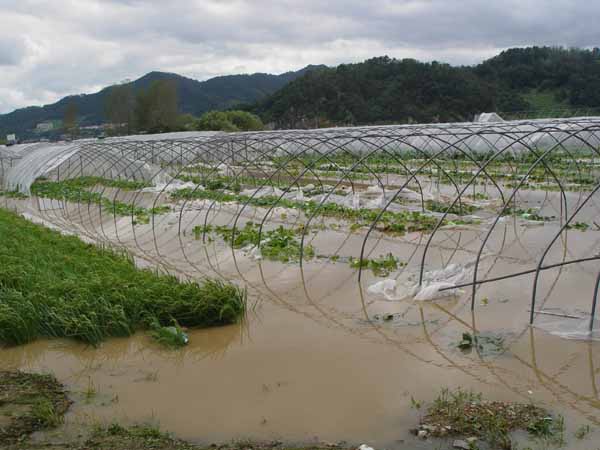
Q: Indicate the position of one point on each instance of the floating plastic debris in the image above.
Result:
(574, 325)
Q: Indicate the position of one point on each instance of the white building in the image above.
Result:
(44, 126)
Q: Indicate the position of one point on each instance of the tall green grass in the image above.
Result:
(57, 286)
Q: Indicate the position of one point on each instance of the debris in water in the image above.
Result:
(437, 284)
(365, 447)
(172, 336)
(464, 445)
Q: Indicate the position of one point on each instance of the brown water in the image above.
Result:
(299, 372)
(314, 361)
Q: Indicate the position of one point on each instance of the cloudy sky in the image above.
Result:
(51, 48)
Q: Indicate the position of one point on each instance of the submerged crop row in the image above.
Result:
(76, 190)
(57, 286)
(398, 222)
(281, 244)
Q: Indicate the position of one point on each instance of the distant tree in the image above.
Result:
(70, 119)
(229, 121)
(186, 122)
(245, 121)
(156, 108)
(215, 121)
(119, 108)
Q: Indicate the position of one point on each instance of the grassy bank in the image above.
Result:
(57, 286)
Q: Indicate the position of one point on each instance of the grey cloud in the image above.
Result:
(12, 51)
(75, 45)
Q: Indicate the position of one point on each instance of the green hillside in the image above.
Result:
(385, 90)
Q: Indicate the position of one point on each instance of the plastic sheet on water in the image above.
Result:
(437, 284)
(574, 325)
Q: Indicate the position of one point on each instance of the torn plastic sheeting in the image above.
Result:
(568, 327)
(253, 251)
(437, 284)
(265, 191)
(396, 291)
(434, 291)
(365, 447)
(174, 186)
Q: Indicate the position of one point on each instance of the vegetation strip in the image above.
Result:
(398, 222)
(76, 190)
(57, 286)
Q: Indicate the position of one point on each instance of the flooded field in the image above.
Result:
(340, 341)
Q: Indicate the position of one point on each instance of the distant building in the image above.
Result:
(44, 127)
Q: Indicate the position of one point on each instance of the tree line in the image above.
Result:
(156, 110)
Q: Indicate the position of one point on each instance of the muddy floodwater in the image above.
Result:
(319, 358)
(323, 357)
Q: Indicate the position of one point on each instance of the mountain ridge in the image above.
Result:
(195, 97)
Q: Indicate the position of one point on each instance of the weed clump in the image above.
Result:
(484, 343)
(467, 414)
(57, 286)
(33, 402)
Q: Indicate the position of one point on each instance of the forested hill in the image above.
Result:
(195, 97)
(571, 75)
(385, 90)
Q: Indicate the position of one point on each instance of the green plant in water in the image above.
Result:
(549, 429)
(581, 226)
(170, 336)
(381, 267)
(484, 343)
(44, 412)
(281, 244)
(528, 214)
(90, 391)
(583, 431)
